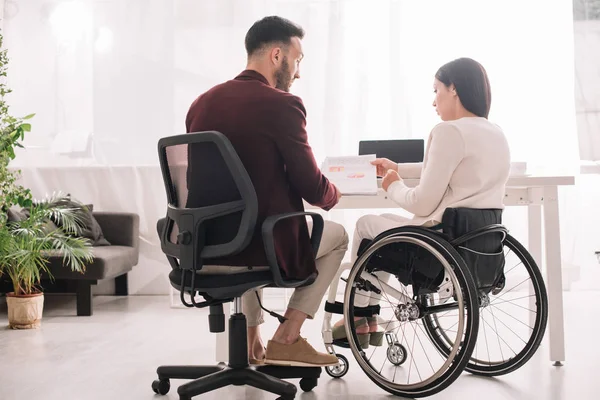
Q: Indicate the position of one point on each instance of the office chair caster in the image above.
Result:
(308, 384)
(161, 386)
(337, 371)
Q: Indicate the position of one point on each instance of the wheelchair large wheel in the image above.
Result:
(426, 370)
(513, 317)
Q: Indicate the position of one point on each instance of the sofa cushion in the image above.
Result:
(91, 229)
(109, 262)
(15, 215)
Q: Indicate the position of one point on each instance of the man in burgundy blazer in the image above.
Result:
(266, 126)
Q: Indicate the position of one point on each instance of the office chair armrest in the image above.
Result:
(269, 241)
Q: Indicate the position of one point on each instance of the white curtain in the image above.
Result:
(122, 73)
(587, 102)
(107, 79)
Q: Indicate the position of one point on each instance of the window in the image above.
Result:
(586, 10)
(586, 25)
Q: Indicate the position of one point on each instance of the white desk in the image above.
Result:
(540, 195)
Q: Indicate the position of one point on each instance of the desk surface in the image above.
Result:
(517, 181)
(381, 200)
(513, 181)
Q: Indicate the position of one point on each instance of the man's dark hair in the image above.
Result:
(471, 83)
(270, 30)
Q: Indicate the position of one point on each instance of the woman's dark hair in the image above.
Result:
(471, 83)
(269, 30)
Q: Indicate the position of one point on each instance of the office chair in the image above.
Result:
(213, 217)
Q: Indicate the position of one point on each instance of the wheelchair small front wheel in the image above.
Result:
(338, 371)
(396, 354)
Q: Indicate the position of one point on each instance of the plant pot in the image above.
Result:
(25, 311)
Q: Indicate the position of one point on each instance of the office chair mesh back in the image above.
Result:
(205, 171)
(177, 161)
(203, 181)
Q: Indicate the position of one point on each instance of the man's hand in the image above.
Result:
(390, 177)
(383, 165)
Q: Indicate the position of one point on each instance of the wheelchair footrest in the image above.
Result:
(341, 343)
(338, 308)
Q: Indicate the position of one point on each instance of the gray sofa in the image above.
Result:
(110, 262)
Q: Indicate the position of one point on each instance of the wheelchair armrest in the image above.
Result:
(269, 241)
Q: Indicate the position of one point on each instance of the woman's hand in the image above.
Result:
(390, 177)
(383, 165)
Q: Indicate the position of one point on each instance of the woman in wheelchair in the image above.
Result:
(465, 295)
(466, 164)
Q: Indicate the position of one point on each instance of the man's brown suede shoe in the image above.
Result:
(299, 354)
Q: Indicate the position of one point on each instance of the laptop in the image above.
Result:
(399, 151)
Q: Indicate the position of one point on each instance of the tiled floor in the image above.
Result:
(114, 355)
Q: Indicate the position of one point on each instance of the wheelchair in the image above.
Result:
(463, 295)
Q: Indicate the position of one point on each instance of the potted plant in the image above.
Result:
(27, 241)
(25, 245)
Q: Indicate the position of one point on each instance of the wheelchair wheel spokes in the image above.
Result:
(409, 363)
(513, 317)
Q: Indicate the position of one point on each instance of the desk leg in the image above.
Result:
(554, 275)
(534, 246)
(222, 339)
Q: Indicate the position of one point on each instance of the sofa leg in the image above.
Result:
(121, 285)
(84, 298)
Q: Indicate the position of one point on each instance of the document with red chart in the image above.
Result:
(353, 175)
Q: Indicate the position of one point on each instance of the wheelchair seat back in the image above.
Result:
(478, 236)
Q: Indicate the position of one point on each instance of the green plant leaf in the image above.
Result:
(29, 116)
(26, 127)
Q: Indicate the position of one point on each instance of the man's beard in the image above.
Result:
(283, 78)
